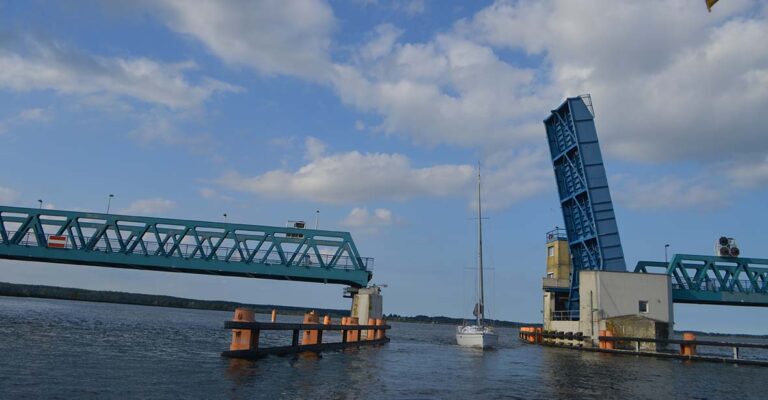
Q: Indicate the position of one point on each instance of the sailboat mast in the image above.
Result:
(481, 300)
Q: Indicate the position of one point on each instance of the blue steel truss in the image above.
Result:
(175, 245)
(590, 222)
(714, 280)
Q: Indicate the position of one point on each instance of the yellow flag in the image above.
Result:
(710, 3)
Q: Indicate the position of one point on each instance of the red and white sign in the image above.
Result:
(57, 242)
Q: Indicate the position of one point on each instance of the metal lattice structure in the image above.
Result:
(175, 245)
(585, 199)
(702, 279)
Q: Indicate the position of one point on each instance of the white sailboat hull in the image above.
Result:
(475, 336)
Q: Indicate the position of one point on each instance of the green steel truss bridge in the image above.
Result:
(175, 245)
(698, 279)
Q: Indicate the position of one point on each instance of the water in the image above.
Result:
(56, 349)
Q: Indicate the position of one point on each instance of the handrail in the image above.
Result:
(709, 343)
(285, 326)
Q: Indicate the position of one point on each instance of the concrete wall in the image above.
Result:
(564, 326)
(609, 294)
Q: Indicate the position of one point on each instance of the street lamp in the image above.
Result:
(109, 201)
(41, 203)
(317, 218)
(666, 258)
(225, 217)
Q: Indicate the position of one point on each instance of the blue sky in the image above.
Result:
(374, 112)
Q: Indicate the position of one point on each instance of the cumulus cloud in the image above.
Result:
(355, 177)
(450, 90)
(361, 219)
(669, 80)
(8, 195)
(149, 207)
(669, 192)
(274, 37)
(510, 177)
(45, 66)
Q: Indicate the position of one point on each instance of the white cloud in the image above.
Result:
(27, 115)
(749, 175)
(315, 148)
(510, 177)
(669, 80)
(449, 90)
(381, 43)
(272, 36)
(43, 66)
(669, 192)
(8, 195)
(356, 177)
(411, 7)
(149, 207)
(33, 114)
(212, 194)
(361, 219)
(676, 82)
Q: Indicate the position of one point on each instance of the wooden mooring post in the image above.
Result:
(246, 331)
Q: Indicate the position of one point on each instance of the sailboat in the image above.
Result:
(479, 335)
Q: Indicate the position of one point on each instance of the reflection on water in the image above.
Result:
(63, 349)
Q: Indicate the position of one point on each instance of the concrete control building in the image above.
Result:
(626, 303)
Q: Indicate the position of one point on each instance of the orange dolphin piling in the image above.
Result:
(243, 339)
(310, 336)
(306, 336)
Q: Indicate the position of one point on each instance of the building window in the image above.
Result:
(643, 306)
(551, 251)
(550, 274)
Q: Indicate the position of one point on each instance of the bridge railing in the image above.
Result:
(188, 252)
(565, 315)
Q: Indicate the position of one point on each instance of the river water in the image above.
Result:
(55, 349)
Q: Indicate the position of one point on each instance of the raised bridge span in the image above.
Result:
(176, 245)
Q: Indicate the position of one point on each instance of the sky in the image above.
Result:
(375, 113)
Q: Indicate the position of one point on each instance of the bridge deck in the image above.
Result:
(175, 245)
(699, 279)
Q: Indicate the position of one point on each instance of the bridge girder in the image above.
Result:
(175, 245)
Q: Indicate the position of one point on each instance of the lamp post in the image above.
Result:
(109, 201)
(666, 258)
(317, 218)
(225, 217)
(41, 203)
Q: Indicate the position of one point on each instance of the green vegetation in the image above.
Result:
(425, 319)
(54, 292)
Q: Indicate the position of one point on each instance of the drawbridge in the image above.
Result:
(592, 233)
(176, 245)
